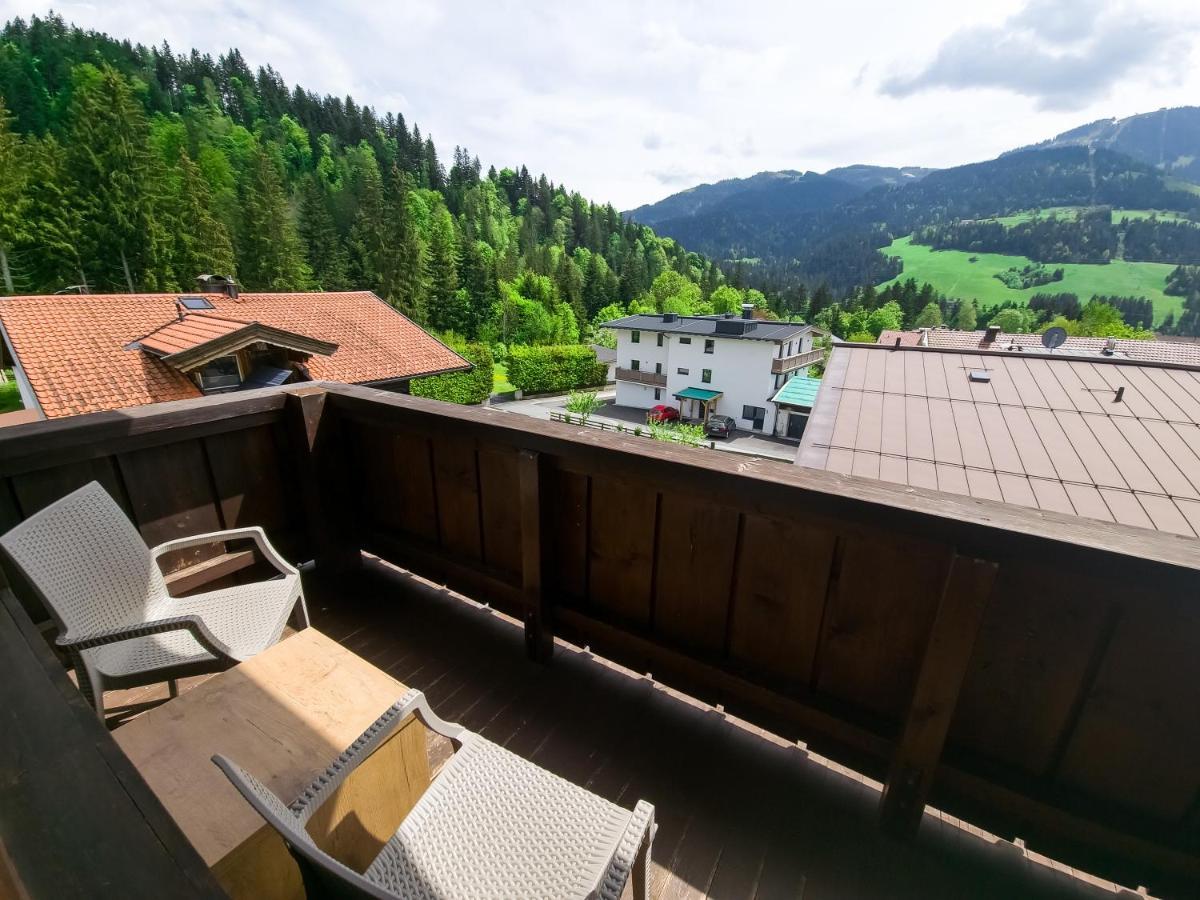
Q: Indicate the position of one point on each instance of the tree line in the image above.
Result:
(127, 168)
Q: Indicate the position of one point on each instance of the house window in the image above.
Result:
(681, 371)
(685, 340)
(658, 368)
(636, 365)
(220, 375)
(706, 376)
(660, 339)
(635, 336)
(709, 345)
(755, 414)
(657, 393)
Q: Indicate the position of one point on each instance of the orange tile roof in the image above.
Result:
(190, 331)
(1040, 431)
(71, 347)
(1181, 352)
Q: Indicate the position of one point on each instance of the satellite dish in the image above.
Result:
(1054, 337)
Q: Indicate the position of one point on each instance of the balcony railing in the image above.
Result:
(1033, 672)
(654, 379)
(798, 360)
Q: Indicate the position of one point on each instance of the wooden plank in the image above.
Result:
(253, 477)
(170, 497)
(779, 598)
(318, 458)
(37, 489)
(75, 818)
(951, 640)
(501, 497)
(456, 482)
(621, 552)
(204, 573)
(566, 509)
(539, 625)
(697, 541)
(878, 621)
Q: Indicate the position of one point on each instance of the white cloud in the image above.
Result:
(626, 101)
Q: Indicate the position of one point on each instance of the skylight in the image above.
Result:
(196, 303)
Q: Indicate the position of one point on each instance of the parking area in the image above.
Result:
(742, 442)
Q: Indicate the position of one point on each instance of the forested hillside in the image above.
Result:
(127, 168)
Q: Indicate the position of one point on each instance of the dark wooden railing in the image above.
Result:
(789, 363)
(1033, 673)
(654, 379)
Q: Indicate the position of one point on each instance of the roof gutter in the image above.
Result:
(28, 397)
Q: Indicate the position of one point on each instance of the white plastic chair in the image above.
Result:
(93, 572)
(491, 825)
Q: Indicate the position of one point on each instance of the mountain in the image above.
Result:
(1168, 139)
(867, 177)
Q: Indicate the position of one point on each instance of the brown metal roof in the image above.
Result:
(1044, 432)
(1181, 352)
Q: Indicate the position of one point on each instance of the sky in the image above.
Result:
(628, 102)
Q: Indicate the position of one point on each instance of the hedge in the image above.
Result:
(474, 386)
(563, 367)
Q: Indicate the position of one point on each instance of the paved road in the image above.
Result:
(741, 442)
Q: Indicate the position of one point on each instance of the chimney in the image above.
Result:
(992, 333)
(670, 317)
(923, 340)
(217, 284)
(747, 310)
(1110, 347)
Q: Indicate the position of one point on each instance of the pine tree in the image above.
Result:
(54, 248)
(318, 231)
(449, 309)
(120, 182)
(965, 318)
(13, 200)
(569, 282)
(202, 244)
(269, 254)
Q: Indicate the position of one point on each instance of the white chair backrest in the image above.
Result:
(88, 562)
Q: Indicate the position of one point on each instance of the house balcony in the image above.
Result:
(654, 379)
(828, 686)
(796, 361)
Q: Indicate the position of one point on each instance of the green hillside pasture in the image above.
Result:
(1070, 212)
(952, 273)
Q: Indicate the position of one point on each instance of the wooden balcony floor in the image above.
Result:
(741, 813)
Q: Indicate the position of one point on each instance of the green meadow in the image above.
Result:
(1070, 212)
(953, 273)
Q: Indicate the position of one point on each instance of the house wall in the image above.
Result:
(741, 370)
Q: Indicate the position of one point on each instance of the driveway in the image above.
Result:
(743, 442)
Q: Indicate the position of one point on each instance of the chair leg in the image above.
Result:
(641, 871)
(299, 615)
(172, 687)
(90, 682)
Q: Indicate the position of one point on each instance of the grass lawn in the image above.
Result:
(10, 397)
(951, 272)
(500, 382)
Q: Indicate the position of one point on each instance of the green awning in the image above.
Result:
(694, 393)
(799, 391)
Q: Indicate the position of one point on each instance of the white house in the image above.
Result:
(710, 364)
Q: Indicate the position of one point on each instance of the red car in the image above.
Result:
(662, 413)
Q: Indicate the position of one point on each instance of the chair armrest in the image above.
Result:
(252, 532)
(193, 624)
(640, 831)
(311, 798)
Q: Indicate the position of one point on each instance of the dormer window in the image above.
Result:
(222, 374)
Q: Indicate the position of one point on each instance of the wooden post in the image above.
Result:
(951, 642)
(539, 634)
(320, 475)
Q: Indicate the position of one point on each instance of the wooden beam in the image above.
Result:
(321, 476)
(208, 571)
(935, 695)
(539, 633)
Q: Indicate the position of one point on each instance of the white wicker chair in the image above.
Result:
(491, 825)
(92, 570)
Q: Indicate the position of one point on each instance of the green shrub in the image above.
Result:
(562, 367)
(470, 387)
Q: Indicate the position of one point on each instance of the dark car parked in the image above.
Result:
(719, 426)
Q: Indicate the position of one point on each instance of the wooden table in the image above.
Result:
(282, 716)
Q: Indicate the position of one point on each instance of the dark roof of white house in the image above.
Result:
(727, 326)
